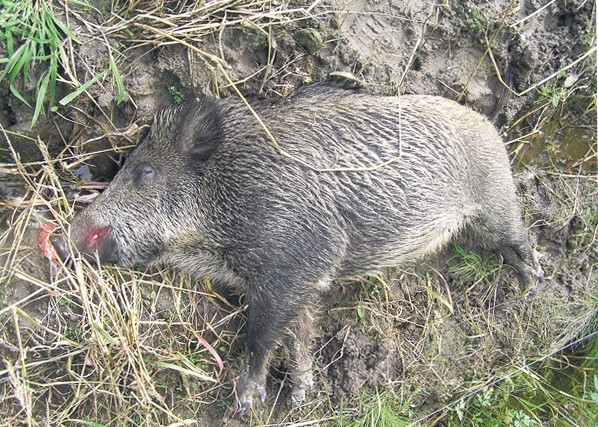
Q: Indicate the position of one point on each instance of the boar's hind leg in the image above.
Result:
(301, 358)
(519, 254)
(506, 234)
(270, 310)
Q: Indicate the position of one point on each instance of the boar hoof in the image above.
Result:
(298, 396)
(247, 388)
(303, 384)
(242, 408)
(538, 279)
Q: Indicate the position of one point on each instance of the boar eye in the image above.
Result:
(144, 174)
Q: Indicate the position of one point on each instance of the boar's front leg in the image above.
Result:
(271, 308)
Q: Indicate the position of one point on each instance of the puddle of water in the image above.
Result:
(570, 148)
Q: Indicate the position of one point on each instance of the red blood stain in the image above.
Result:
(44, 243)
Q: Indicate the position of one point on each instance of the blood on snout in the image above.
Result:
(94, 237)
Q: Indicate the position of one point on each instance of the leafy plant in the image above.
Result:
(32, 34)
(176, 94)
(518, 418)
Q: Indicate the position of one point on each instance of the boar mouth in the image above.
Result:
(93, 239)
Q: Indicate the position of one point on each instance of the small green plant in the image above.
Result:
(551, 93)
(380, 411)
(561, 88)
(472, 267)
(518, 418)
(176, 94)
(474, 17)
(4, 297)
(484, 399)
(75, 334)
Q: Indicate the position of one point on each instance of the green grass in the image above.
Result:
(36, 50)
(33, 35)
(380, 410)
(471, 267)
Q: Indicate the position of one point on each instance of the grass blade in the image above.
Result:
(190, 371)
(41, 94)
(118, 79)
(20, 97)
(67, 99)
(11, 67)
(57, 24)
(84, 5)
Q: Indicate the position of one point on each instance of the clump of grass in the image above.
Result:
(38, 44)
(471, 267)
(33, 35)
(381, 410)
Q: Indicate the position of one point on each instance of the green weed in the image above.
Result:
(75, 334)
(380, 411)
(474, 18)
(176, 94)
(33, 35)
(554, 91)
(551, 93)
(471, 267)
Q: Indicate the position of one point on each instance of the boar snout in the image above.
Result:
(60, 246)
(95, 242)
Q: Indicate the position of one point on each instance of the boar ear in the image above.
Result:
(201, 127)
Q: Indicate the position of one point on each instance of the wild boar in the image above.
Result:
(364, 182)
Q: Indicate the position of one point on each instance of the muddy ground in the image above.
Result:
(99, 344)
